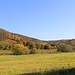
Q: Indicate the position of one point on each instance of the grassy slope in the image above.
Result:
(17, 65)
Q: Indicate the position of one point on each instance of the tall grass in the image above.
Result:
(6, 52)
(54, 72)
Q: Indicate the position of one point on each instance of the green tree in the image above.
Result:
(38, 46)
(47, 46)
(1, 47)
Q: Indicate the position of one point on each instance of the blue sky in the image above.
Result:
(42, 19)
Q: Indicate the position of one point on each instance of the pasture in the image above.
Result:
(22, 64)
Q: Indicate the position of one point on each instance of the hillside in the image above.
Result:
(9, 35)
(8, 39)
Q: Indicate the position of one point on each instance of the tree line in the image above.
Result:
(11, 41)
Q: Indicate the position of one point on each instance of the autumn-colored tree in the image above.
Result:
(47, 46)
(65, 48)
(31, 45)
(42, 46)
(34, 51)
(19, 49)
(72, 43)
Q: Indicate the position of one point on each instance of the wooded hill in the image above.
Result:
(9, 39)
(63, 45)
(13, 36)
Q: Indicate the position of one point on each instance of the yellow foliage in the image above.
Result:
(20, 49)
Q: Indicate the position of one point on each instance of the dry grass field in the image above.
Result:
(22, 64)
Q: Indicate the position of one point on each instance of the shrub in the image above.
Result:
(65, 48)
(34, 51)
(19, 49)
(43, 52)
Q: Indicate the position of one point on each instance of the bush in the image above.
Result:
(65, 48)
(34, 51)
(19, 49)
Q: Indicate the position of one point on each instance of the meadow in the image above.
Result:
(34, 63)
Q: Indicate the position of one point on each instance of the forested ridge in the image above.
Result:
(13, 41)
(9, 38)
